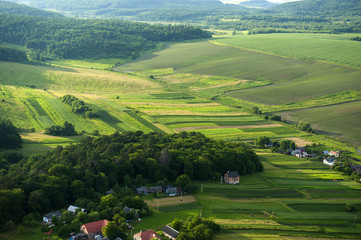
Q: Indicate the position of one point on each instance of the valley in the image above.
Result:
(181, 92)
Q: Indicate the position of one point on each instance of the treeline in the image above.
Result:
(9, 135)
(279, 22)
(12, 55)
(66, 130)
(69, 38)
(85, 171)
(78, 106)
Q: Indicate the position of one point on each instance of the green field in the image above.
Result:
(274, 83)
(333, 48)
(341, 121)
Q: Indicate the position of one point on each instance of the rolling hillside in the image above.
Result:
(320, 8)
(21, 9)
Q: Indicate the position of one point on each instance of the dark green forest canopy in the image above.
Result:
(95, 165)
(9, 135)
(12, 55)
(79, 38)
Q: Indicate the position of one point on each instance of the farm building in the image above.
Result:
(93, 228)
(170, 232)
(231, 177)
(146, 235)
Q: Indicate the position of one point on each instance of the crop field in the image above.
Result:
(291, 78)
(261, 207)
(341, 121)
(334, 48)
(228, 72)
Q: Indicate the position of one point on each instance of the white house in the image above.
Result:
(73, 209)
(329, 161)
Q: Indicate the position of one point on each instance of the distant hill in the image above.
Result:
(14, 8)
(320, 7)
(257, 4)
(145, 10)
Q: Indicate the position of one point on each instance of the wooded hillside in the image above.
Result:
(79, 38)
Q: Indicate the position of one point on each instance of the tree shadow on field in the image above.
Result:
(110, 120)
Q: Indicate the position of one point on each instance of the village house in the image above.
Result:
(231, 177)
(170, 232)
(156, 189)
(93, 228)
(142, 191)
(173, 191)
(47, 217)
(333, 153)
(329, 161)
(73, 209)
(146, 235)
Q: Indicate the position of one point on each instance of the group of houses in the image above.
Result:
(92, 231)
(168, 190)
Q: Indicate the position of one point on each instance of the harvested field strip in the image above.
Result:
(299, 141)
(186, 112)
(246, 221)
(170, 201)
(222, 127)
(173, 104)
(203, 108)
(175, 119)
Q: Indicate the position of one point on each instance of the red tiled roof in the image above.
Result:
(147, 235)
(94, 226)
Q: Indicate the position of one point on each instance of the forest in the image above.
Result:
(12, 55)
(83, 172)
(68, 38)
